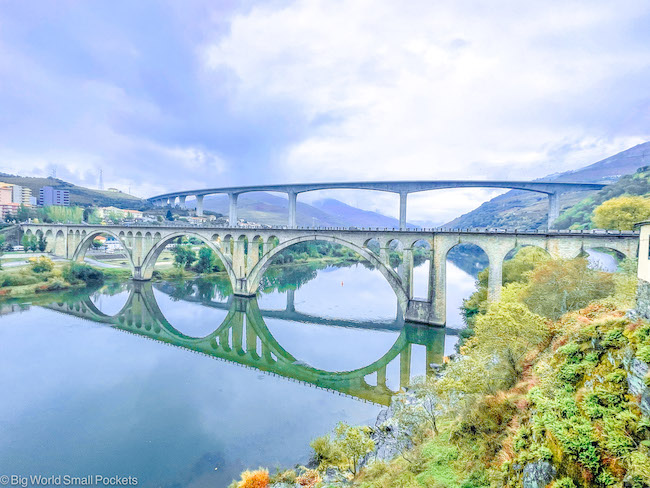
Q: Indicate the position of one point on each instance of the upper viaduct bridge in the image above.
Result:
(552, 189)
(247, 252)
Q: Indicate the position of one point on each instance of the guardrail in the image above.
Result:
(456, 230)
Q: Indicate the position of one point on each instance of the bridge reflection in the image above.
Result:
(244, 339)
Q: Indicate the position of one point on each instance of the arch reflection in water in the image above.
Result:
(243, 338)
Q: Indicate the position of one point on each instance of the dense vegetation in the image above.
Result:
(539, 395)
(42, 275)
(580, 216)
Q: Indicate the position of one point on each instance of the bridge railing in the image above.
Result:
(423, 230)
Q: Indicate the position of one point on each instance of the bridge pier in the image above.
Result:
(232, 214)
(199, 205)
(181, 201)
(402, 209)
(291, 300)
(292, 209)
(553, 208)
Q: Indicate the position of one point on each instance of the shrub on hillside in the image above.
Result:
(76, 272)
(253, 479)
(41, 264)
(562, 285)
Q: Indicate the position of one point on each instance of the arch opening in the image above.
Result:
(604, 258)
(343, 249)
(186, 251)
(421, 250)
(466, 266)
(103, 249)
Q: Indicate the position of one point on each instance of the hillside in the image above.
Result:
(579, 215)
(522, 209)
(78, 194)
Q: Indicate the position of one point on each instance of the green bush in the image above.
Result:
(41, 264)
(76, 272)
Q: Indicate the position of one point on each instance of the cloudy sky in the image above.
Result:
(177, 95)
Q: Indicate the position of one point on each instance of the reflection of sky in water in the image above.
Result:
(83, 398)
(110, 304)
(331, 348)
(192, 319)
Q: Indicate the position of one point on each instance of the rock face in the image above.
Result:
(389, 440)
(643, 299)
(636, 374)
(538, 474)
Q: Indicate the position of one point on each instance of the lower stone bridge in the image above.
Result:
(244, 339)
(247, 252)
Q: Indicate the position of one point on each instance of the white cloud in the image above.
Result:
(440, 90)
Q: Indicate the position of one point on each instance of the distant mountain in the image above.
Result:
(529, 210)
(356, 216)
(78, 194)
(266, 208)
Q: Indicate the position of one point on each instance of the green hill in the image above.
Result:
(529, 210)
(579, 215)
(79, 195)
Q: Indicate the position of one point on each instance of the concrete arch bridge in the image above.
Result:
(244, 339)
(553, 190)
(247, 252)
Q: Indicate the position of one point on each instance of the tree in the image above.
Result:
(23, 213)
(508, 331)
(184, 256)
(345, 449)
(3, 238)
(207, 260)
(561, 285)
(97, 243)
(29, 242)
(42, 243)
(621, 213)
(169, 215)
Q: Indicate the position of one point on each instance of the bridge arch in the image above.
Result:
(86, 239)
(255, 274)
(149, 261)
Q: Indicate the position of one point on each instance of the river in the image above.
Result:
(82, 396)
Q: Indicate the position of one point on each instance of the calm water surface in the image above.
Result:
(84, 393)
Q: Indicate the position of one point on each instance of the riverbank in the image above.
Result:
(23, 282)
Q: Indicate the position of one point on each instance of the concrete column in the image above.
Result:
(384, 256)
(266, 247)
(292, 209)
(199, 205)
(553, 208)
(402, 210)
(239, 259)
(407, 271)
(405, 367)
(291, 300)
(181, 201)
(381, 376)
(137, 251)
(169, 202)
(237, 328)
(253, 255)
(251, 339)
(495, 279)
(232, 214)
(438, 281)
